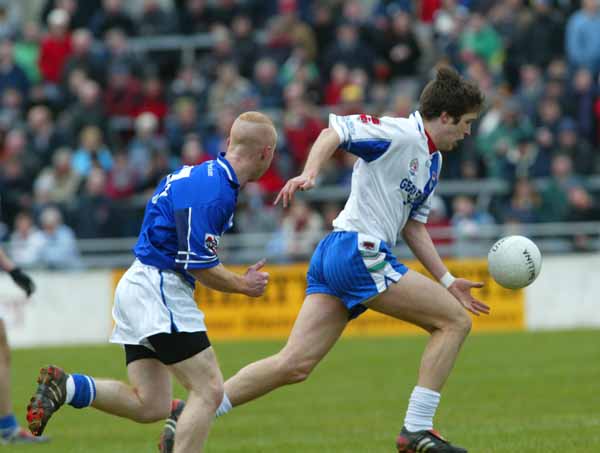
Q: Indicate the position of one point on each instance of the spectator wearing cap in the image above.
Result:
(583, 37)
(570, 143)
(11, 74)
(56, 47)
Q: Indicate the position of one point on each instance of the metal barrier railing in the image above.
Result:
(552, 238)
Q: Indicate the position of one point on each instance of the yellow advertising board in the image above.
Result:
(234, 316)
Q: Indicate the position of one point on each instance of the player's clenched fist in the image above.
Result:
(256, 281)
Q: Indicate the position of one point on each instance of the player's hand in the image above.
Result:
(255, 280)
(461, 289)
(302, 182)
(22, 280)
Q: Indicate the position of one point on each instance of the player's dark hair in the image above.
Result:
(450, 93)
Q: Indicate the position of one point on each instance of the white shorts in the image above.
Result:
(149, 301)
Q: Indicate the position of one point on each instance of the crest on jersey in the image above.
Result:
(368, 245)
(413, 166)
(211, 242)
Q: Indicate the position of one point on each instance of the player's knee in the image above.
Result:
(462, 322)
(154, 410)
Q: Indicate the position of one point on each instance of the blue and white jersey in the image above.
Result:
(395, 177)
(185, 219)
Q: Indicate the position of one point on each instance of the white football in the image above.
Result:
(514, 262)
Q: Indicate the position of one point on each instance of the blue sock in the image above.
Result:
(8, 424)
(81, 390)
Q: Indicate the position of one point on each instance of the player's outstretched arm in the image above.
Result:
(253, 283)
(323, 148)
(418, 239)
(21, 279)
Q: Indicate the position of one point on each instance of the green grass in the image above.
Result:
(509, 393)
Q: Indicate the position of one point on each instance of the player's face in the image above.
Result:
(455, 132)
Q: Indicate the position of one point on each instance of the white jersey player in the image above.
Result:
(353, 268)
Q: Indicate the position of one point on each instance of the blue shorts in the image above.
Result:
(353, 267)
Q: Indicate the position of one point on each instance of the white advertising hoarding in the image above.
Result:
(67, 308)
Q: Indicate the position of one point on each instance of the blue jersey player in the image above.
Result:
(156, 317)
(353, 268)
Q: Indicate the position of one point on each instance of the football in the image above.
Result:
(514, 262)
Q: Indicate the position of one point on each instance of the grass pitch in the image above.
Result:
(509, 393)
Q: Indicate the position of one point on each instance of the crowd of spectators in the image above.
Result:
(89, 124)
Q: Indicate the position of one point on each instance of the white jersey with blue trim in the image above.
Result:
(395, 176)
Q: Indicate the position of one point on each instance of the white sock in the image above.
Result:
(421, 409)
(225, 406)
(70, 389)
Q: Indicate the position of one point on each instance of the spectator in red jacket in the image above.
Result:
(56, 47)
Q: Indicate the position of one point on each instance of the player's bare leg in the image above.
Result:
(147, 397)
(319, 324)
(420, 301)
(201, 377)
(5, 399)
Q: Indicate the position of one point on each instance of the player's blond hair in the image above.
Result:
(253, 130)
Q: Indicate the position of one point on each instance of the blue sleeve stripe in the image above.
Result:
(367, 149)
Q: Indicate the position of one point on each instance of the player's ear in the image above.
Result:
(445, 118)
